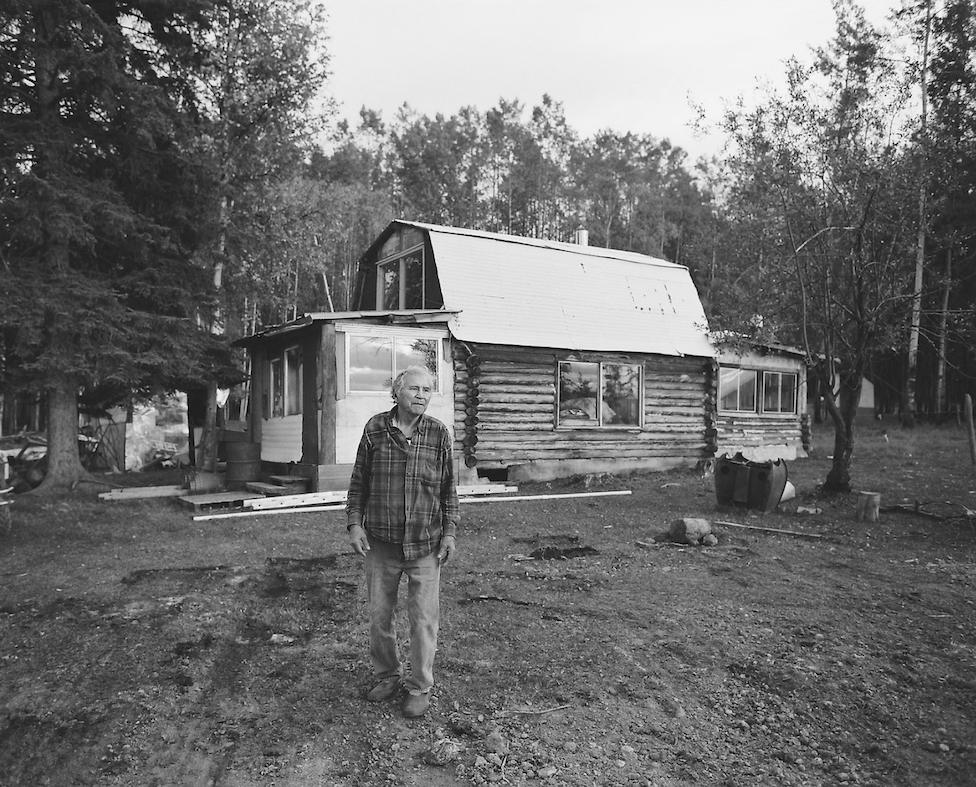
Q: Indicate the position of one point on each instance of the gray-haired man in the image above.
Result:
(402, 514)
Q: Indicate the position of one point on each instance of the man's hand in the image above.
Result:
(357, 537)
(446, 552)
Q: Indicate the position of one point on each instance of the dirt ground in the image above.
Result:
(140, 647)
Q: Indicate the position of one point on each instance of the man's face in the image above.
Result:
(414, 396)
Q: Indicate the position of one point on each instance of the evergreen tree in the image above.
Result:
(98, 205)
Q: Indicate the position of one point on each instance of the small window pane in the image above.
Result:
(293, 386)
(413, 272)
(391, 246)
(788, 397)
(771, 392)
(370, 363)
(728, 386)
(411, 237)
(418, 352)
(277, 389)
(578, 387)
(621, 394)
(389, 285)
(747, 390)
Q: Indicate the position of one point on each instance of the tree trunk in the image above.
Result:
(64, 468)
(908, 416)
(843, 409)
(208, 436)
(941, 403)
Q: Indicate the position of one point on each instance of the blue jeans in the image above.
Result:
(385, 565)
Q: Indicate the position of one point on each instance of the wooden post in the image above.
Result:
(968, 408)
(868, 506)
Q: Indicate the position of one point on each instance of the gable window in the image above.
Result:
(599, 394)
(779, 392)
(374, 361)
(400, 280)
(739, 390)
(285, 383)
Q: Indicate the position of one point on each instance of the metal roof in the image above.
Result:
(539, 293)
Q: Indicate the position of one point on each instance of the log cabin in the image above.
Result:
(549, 359)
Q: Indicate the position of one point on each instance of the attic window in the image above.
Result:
(620, 399)
(400, 280)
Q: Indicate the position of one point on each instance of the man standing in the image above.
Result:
(402, 514)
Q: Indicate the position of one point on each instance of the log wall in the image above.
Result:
(753, 430)
(505, 409)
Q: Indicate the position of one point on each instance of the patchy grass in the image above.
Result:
(141, 647)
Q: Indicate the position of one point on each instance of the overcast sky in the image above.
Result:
(628, 65)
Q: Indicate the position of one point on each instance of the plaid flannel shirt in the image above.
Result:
(404, 492)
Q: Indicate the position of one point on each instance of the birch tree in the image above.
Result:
(824, 174)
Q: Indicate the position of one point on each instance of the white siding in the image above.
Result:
(281, 439)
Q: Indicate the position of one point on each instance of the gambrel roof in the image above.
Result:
(527, 292)
(518, 291)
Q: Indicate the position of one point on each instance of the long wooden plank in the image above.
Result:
(290, 501)
(139, 492)
(481, 499)
(559, 496)
(321, 498)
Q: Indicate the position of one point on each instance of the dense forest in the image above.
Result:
(173, 177)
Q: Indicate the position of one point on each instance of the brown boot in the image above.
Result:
(385, 689)
(416, 705)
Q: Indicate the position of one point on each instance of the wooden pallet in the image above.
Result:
(212, 501)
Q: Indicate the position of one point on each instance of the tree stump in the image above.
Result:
(868, 506)
(689, 530)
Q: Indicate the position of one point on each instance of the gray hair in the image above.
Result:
(398, 383)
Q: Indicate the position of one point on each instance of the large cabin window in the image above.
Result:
(737, 390)
(599, 394)
(285, 382)
(400, 280)
(748, 391)
(375, 360)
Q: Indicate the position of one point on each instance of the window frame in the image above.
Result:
(598, 421)
(393, 339)
(760, 379)
(739, 370)
(401, 257)
(779, 386)
(279, 360)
